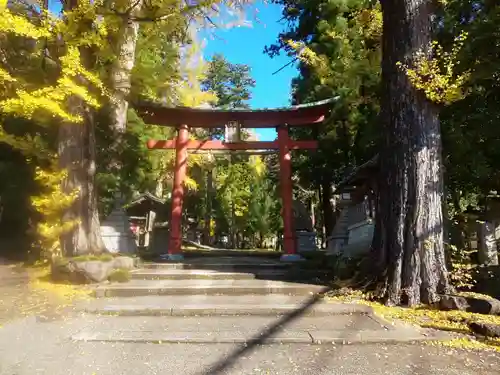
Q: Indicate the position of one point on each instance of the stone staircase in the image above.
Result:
(214, 276)
(230, 300)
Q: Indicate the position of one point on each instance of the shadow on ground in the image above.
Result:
(223, 364)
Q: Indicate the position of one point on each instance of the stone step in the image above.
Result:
(217, 253)
(194, 274)
(344, 329)
(136, 288)
(168, 274)
(208, 305)
(216, 266)
(176, 274)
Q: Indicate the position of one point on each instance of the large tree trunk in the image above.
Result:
(121, 81)
(409, 229)
(77, 156)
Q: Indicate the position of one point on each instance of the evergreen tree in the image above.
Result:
(231, 83)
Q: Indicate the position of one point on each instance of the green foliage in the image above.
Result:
(157, 62)
(120, 275)
(338, 46)
(233, 184)
(231, 83)
(262, 205)
(91, 257)
(246, 199)
(141, 166)
(50, 63)
(470, 125)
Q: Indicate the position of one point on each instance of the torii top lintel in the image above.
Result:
(303, 114)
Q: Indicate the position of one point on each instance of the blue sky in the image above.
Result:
(245, 45)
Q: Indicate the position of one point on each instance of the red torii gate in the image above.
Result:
(281, 118)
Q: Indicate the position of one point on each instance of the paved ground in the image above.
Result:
(32, 347)
(241, 329)
(270, 304)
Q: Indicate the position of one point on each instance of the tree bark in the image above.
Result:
(324, 234)
(488, 254)
(408, 243)
(77, 156)
(328, 219)
(121, 72)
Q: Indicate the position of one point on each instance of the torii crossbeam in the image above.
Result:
(281, 118)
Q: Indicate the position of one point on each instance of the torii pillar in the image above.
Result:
(285, 157)
(181, 155)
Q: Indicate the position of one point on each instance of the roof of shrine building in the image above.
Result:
(147, 196)
(302, 114)
(359, 175)
(144, 203)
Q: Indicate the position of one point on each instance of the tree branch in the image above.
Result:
(207, 17)
(133, 6)
(286, 65)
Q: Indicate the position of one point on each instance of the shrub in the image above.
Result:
(120, 275)
(85, 258)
